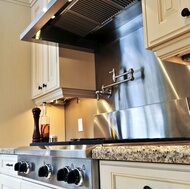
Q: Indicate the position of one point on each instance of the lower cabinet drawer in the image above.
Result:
(127, 181)
(7, 163)
(9, 182)
(128, 175)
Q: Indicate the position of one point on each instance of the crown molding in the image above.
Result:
(32, 2)
(20, 2)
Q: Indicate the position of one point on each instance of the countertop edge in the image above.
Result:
(175, 154)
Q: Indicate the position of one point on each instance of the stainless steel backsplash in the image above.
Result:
(154, 104)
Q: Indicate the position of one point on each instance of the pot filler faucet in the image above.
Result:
(107, 90)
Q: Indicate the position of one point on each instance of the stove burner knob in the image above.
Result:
(17, 166)
(25, 168)
(45, 171)
(75, 176)
(62, 173)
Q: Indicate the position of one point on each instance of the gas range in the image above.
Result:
(69, 166)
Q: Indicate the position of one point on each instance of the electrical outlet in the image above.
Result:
(80, 125)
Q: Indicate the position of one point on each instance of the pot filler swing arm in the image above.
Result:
(107, 89)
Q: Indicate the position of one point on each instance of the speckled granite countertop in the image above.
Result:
(179, 154)
(7, 151)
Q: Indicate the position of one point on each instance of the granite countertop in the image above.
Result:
(179, 154)
(10, 151)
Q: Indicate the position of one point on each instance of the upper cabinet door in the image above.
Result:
(166, 31)
(50, 69)
(164, 20)
(45, 62)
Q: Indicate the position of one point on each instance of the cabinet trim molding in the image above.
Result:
(20, 2)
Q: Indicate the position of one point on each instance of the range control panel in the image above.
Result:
(71, 173)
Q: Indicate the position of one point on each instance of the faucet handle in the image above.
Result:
(113, 74)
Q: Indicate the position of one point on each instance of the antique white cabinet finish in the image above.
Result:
(54, 68)
(166, 31)
(30, 185)
(8, 177)
(128, 175)
(45, 75)
(8, 182)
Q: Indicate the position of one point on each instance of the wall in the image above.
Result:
(16, 120)
(76, 109)
(15, 109)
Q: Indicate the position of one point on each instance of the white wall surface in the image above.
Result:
(16, 119)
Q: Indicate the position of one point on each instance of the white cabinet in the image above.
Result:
(7, 163)
(166, 30)
(27, 184)
(8, 177)
(9, 182)
(128, 175)
(58, 71)
(45, 75)
(30, 185)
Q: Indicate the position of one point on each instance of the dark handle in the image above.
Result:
(147, 187)
(39, 88)
(44, 85)
(9, 165)
(185, 12)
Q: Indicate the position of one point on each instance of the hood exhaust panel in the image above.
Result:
(123, 3)
(74, 23)
(78, 24)
(98, 11)
(85, 16)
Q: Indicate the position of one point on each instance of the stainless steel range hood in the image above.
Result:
(78, 23)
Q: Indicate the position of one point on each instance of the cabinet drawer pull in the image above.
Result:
(9, 165)
(185, 12)
(146, 187)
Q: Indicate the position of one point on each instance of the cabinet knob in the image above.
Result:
(185, 12)
(147, 187)
(44, 85)
(39, 88)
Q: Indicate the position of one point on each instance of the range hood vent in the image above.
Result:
(76, 22)
(85, 17)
